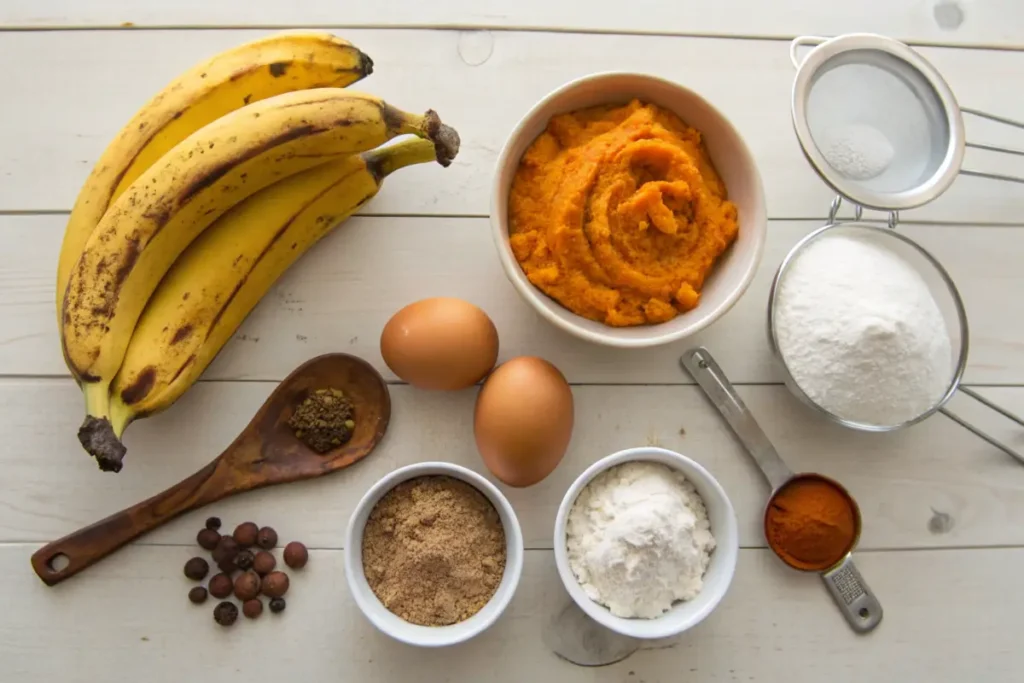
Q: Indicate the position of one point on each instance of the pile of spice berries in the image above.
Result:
(246, 566)
(324, 420)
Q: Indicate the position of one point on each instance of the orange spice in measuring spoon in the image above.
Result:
(811, 522)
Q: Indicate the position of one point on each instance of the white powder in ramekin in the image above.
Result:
(638, 539)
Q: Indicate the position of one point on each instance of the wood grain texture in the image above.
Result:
(265, 453)
(981, 22)
(339, 297)
(902, 481)
(50, 146)
(949, 618)
(936, 501)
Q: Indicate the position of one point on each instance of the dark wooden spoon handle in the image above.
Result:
(88, 546)
(265, 453)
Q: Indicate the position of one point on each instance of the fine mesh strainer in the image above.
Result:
(949, 302)
(883, 129)
(878, 122)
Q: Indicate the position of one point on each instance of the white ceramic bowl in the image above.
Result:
(395, 626)
(683, 615)
(736, 267)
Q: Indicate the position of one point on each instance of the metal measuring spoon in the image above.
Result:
(855, 600)
(577, 638)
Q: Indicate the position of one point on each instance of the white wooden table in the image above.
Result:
(943, 542)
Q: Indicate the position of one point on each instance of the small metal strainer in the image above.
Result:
(878, 122)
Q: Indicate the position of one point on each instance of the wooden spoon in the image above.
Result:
(265, 453)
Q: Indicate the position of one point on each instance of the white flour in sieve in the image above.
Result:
(861, 333)
(857, 150)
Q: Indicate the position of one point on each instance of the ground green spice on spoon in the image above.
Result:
(324, 420)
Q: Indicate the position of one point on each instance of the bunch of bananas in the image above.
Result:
(202, 201)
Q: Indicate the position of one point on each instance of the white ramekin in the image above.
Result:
(392, 624)
(683, 615)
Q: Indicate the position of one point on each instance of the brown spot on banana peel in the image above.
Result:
(140, 387)
(131, 255)
(104, 307)
(225, 167)
(374, 166)
(394, 118)
(97, 437)
(278, 69)
(159, 215)
(181, 334)
(84, 377)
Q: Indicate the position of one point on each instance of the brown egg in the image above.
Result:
(523, 420)
(440, 343)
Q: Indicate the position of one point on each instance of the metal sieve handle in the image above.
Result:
(802, 41)
(858, 211)
(980, 434)
(993, 148)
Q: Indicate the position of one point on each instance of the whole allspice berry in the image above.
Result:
(244, 559)
(295, 555)
(197, 568)
(245, 534)
(264, 563)
(275, 584)
(221, 586)
(197, 595)
(266, 538)
(277, 605)
(213, 523)
(207, 539)
(247, 586)
(252, 608)
(225, 552)
(225, 613)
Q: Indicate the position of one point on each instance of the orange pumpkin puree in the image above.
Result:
(617, 213)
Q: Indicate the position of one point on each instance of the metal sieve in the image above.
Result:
(878, 122)
(950, 304)
(883, 129)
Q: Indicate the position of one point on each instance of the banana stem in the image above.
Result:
(96, 433)
(120, 417)
(445, 138)
(384, 161)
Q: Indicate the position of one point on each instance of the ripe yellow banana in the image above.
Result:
(218, 280)
(169, 205)
(248, 73)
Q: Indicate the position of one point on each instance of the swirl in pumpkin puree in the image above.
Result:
(617, 213)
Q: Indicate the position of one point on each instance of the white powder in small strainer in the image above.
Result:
(858, 151)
